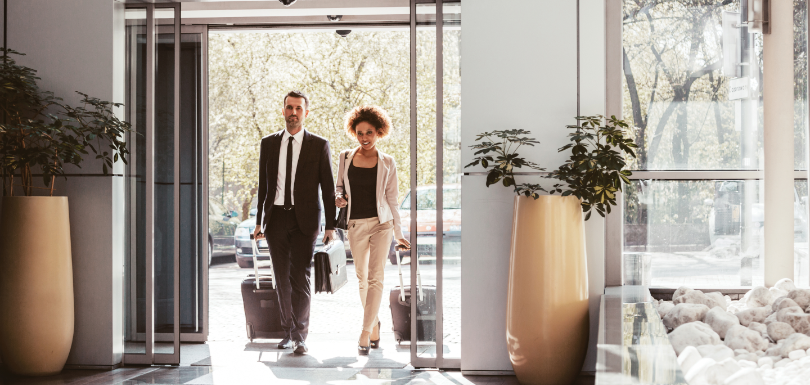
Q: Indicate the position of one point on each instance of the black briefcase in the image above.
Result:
(330, 267)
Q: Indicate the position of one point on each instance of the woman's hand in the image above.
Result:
(404, 242)
(340, 202)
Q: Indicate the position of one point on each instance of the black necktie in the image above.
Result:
(288, 178)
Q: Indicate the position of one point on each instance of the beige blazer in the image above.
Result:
(387, 189)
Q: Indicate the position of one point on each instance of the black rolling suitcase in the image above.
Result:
(261, 302)
(401, 308)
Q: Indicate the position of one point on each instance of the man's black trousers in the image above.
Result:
(291, 251)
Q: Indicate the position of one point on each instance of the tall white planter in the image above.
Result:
(547, 304)
(36, 285)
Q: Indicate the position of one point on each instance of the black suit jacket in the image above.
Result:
(314, 169)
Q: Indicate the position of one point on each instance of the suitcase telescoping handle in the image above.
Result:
(401, 282)
(256, 264)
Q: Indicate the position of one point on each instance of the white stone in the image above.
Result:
(740, 337)
(698, 297)
(795, 341)
(770, 319)
(694, 334)
(762, 329)
(685, 313)
(688, 357)
(777, 293)
(797, 354)
(747, 357)
(757, 314)
(746, 363)
(746, 376)
(718, 299)
(760, 296)
(785, 284)
(664, 308)
(783, 302)
(765, 361)
(720, 321)
(780, 315)
(697, 370)
(715, 352)
(782, 362)
(779, 330)
(801, 296)
(680, 291)
(800, 321)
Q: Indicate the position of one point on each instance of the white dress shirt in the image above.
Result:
(298, 138)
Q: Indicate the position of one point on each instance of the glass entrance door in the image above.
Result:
(433, 206)
(168, 258)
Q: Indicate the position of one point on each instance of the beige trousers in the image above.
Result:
(370, 242)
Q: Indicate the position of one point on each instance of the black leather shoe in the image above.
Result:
(300, 347)
(285, 344)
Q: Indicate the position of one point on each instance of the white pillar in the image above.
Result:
(778, 111)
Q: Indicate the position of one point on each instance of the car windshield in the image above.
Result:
(426, 199)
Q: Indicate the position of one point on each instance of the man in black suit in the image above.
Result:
(293, 164)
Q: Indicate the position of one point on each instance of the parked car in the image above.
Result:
(426, 221)
(221, 226)
(725, 216)
(244, 249)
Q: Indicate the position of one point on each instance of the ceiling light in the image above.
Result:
(287, 3)
(334, 17)
(343, 32)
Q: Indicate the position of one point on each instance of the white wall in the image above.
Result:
(520, 71)
(77, 45)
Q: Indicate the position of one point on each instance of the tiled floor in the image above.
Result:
(257, 373)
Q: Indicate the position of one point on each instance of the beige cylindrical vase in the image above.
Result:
(547, 306)
(36, 285)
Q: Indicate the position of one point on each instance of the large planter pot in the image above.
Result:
(547, 307)
(36, 285)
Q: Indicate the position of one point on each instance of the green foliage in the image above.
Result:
(39, 130)
(596, 168)
(500, 156)
(249, 73)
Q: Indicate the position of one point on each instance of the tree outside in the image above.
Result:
(250, 72)
(676, 97)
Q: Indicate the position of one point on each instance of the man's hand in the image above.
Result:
(257, 234)
(328, 235)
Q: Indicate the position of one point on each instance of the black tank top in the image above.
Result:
(364, 191)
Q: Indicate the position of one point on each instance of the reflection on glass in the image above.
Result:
(800, 115)
(801, 268)
(425, 253)
(192, 249)
(136, 181)
(451, 255)
(681, 59)
(694, 233)
(164, 178)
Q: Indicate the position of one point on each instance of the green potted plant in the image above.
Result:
(547, 303)
(40, 134)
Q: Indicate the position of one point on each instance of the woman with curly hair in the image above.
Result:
(367, 183)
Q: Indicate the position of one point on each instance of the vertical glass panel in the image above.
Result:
(191, 121)
(692, 85)
(426, 209)
(701, 234)
(134, 268)
(801, 270)
(451, 260)
(164, 181)
(800, 113)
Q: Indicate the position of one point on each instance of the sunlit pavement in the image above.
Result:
(708, 270)
(335, 323)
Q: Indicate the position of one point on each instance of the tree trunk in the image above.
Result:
(246, 204)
